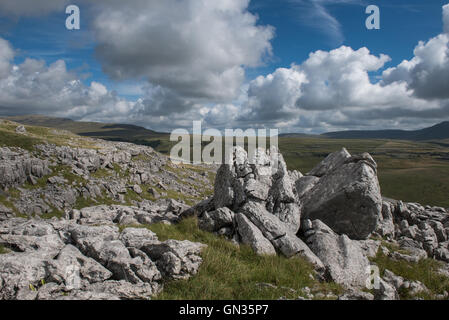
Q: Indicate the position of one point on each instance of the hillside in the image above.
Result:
(437, 132)
(106, 131)
(410, 170)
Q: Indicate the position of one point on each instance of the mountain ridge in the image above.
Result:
(141, 135)
(438, 131)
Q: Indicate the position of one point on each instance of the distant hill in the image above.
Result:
(160, 141)
(298, 135)
(106, 131)
(437, 132)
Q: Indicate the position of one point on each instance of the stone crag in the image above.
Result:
(327, 216)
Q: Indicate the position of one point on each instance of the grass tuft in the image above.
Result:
(3, 250)
(425, 271)
(232, 272)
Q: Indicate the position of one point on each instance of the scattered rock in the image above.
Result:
(21, 129)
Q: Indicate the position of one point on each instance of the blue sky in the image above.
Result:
(403, 24)
(298, 28)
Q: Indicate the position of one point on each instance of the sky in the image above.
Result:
(307, 66)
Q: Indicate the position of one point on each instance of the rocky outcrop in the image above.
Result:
(255, 203)
(263, 178)
(336, 207)
(66, 260)
(252, 236)
(258, 203)
(421, 231)
(18, 166)
(326, 217)
(52, 179)
(347, 196)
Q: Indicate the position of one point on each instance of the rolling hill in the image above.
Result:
(437, 132)
(106, 131)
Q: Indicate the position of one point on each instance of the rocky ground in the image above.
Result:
(73, 213)
(334, 216)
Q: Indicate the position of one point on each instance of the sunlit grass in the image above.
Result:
(229, 271)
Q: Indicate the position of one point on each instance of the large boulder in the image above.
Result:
(175, 259)
(344, 258)
(347, 197)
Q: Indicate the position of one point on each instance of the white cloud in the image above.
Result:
(333, 90)
(339, 79)
(35, 87)
(189, 63)
(274, 97)
(427, 73)
(196, 48)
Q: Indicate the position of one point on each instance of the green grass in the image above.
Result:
(54, 213)
(428, 184)
(81, 202)
(425, 271)
(232, 272)
(408, 171)
(6, 201)
(3, 250)
(102, 173)
(9, 139)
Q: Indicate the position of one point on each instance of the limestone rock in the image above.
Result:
(343, 257)
(176, 259)
(252, 236)
(347, 197)
(216, 220)
(137, 237)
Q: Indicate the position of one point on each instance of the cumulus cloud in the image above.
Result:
(196, 48)
(274, 97)
(328, 80)
(190, 58)
(427, 72)
(35, 87)
(335, 90)
(339, 78)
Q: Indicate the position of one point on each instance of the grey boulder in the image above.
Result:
(176, 259)
(343, 257)
(347, 197)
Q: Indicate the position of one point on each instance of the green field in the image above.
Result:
(407, 170)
